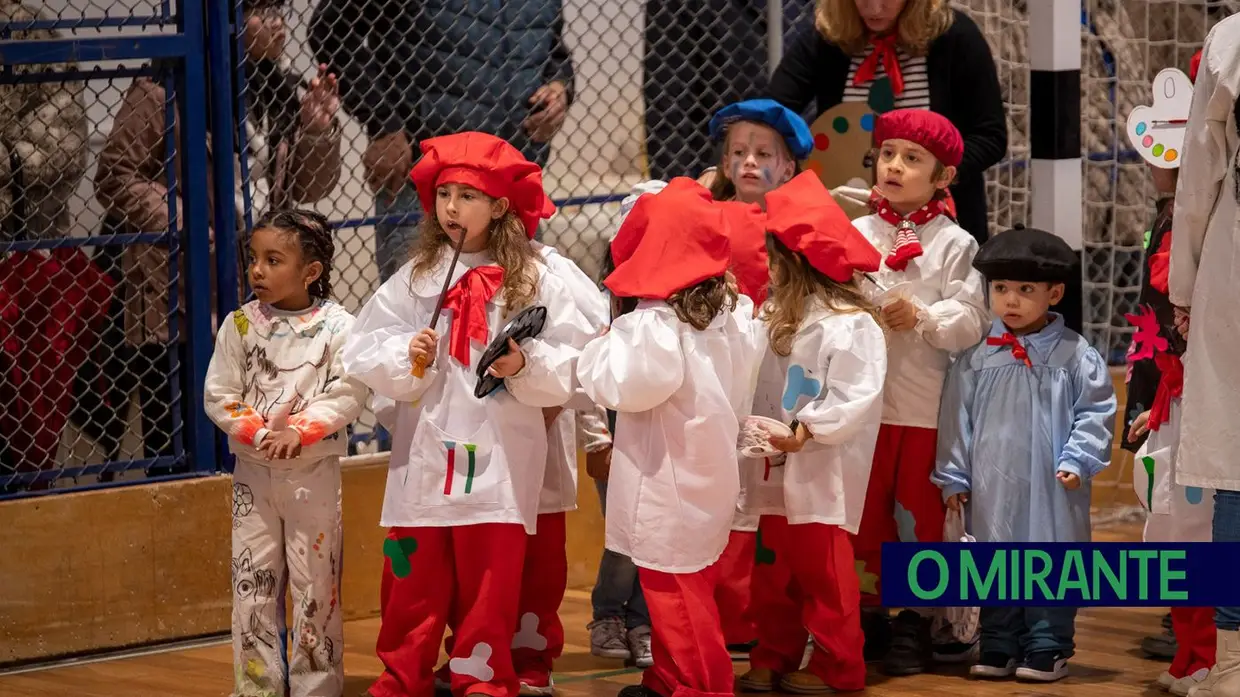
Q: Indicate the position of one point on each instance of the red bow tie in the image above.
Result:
(468, 301)
(884, 51)
(1170, 386)
(1018, 350)
(906, 246)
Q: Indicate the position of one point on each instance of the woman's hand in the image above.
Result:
(544, 124)
(321, 103)
(510, 363)
(387, 162)
(423, 346)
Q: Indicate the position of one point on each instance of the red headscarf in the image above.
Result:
(803, 216)
(746, 226)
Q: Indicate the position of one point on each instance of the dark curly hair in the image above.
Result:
(315, 235)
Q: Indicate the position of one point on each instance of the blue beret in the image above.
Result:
(770, 112)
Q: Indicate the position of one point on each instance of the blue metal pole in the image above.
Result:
(198, 296)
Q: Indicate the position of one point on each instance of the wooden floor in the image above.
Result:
(1108, 664)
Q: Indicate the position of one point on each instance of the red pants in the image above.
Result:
(471, 573)
(1195, 639)
(901, 504)
(733, 593)
(539, 638)
(810, 585)
(686, 640)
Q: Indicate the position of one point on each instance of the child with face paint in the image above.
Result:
(933, 306)
(762, 143)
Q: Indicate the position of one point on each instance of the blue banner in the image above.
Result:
(1110, 574)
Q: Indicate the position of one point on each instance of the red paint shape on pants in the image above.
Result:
(472, 570)
(686, 640)
(733, 593)
(903, 461)
(539, 638)
(812, 585)
(1195, 639)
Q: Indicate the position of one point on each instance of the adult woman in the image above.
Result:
(1202, 282)
(931, 56)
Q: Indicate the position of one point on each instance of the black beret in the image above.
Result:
(1026, 254)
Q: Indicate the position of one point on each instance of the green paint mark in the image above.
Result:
(469, 476)
(399, 551)
(840, 124)
(1148, 462)
(763, 554)
(1145, 241)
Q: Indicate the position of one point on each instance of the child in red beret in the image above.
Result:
(465, 473)
(678, 371)
(824, 373)
(933, 304)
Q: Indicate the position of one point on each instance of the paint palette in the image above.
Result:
(755, 430)
(843, 139)
(1157, 131)
(526, 325)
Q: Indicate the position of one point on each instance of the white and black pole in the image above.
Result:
(1055, 129)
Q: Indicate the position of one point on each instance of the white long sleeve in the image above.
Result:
(959, 320)
(636, 366)
(377, 350)
(853, 360)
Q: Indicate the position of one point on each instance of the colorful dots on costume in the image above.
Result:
(869, 580)
(906, 525)
(1193, 494)
(799, 384)
(763, 554)
(398, 552)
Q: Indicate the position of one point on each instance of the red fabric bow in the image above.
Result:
(907, 247)
(1018, 351)
(1170, 386)
(885, 51)
(468, 302)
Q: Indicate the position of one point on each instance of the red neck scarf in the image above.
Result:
(884, 51)
(1009, 340)
(468, 301)
(907, 247)
(1170, 386)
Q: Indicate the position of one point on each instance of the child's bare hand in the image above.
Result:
(955, 501)
(423, 345)
(598, 464)
(1139, 427)
(791, 444)
(282, 445)
(1181, 321)
(1070, 481)
(510, 363)
(900, 315)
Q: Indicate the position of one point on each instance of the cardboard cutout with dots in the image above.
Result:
(843, 140)
(1157, 131)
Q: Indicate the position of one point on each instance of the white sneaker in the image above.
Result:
(1165, 681)
(608, 640)
(1181, 686)
(639, 646)
(1224, 676)
(809, 653)
(528, 690)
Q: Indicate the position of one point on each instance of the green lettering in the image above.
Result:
(1015, 586)
(1038, 577)
(1143, 578)
(944, 576)
(1074, 565)
(970, 578)
(1166, 575)
(1119, 584)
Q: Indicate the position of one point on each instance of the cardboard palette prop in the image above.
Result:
(1157, 131)
(843, 140)
(753, 441)
(526, 325)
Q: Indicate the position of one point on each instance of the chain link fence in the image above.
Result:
(93, 379)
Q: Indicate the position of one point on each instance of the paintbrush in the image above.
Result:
(870, 277)
(419, 366)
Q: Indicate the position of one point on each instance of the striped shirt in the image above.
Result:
(916, 93)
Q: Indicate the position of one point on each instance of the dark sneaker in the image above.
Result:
(1162, 646)
(638, 691)
(994, 665)
(910, 645)
(877, 629)
(955, 652)
(1166, 621)
(1043, 666)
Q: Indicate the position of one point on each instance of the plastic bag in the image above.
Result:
(964, 623)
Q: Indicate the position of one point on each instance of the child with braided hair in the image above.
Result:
(276, 387)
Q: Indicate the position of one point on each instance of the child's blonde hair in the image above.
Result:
(793, 282)
(699, 304)
(920, 23)
(508, 243)
(723, 188)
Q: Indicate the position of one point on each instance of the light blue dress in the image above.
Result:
(1006, 429)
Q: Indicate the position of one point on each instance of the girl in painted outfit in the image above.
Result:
(277, 387)
(677, 364)
(825, 372)
(465, 476)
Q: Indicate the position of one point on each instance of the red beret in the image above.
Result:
(670, 241)
(490, 165)
(804, 216)
(929, 130)
(747, 232)
(1193, 65)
